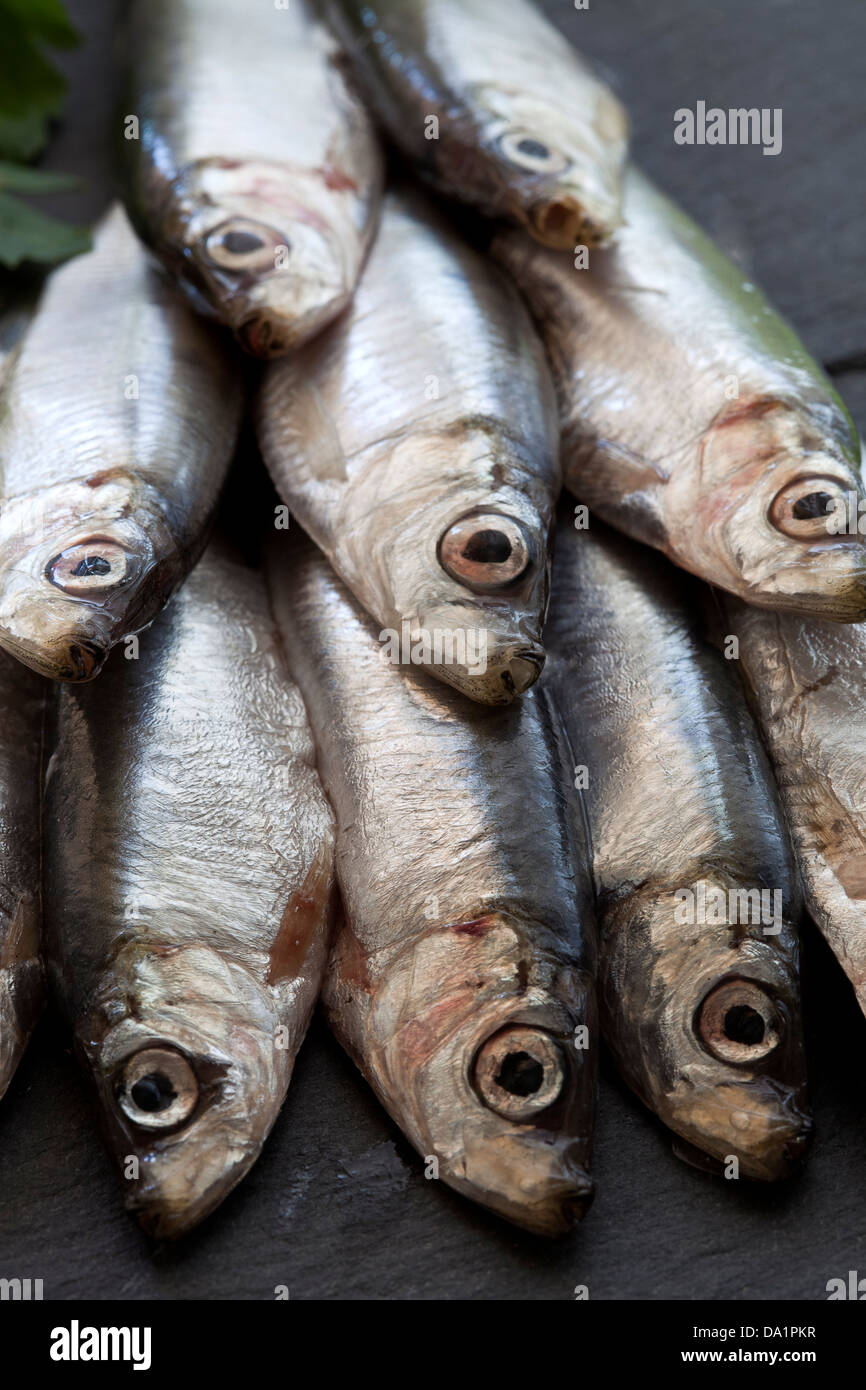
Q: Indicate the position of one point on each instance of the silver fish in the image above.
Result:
(698, 972)
(807, 684)
(692, 416)
(22, 706)
(462, 978)
(254, 173)
(189, 892)
(415, 440)
(120, 411)
(494, 107)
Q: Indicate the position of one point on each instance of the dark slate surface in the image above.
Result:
(337, 1206)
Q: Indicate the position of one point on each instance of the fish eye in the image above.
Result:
(519, 1072)
(91, 568)
(803, 508)
(528, 152)
(485, 551)
(244, 247)
(738, 1022)
(158, 1088)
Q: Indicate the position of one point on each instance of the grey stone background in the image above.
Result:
(337, 1206)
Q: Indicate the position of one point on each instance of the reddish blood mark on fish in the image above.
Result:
(352, 960)
(304, 916)
(478, 926)
(423, 1036)
(337, 180)
(750, 410)
(106, 476)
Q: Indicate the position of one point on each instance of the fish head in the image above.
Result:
(183, 1047)
(81, 565)
(768, 513)
(271, 251)
(479, 1065)
(560, 174)
(704, 1023)
(463, 580)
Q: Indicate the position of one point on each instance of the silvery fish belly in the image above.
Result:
(416, 441)
(693, 419)
(22, 704)
(189, 891)
(120, 411)
(462, 978)
(697, 894)
(253, 172)
(807, 682)
(494, 107)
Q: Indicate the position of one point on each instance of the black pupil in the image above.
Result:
(533, 149)
(91, 564)
(744, 1025)
(487, 548)
(240, 243)
(520, 1074)
(807, 508)
(153, 1092)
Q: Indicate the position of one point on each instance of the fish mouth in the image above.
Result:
(792, 1156)
(558, 1214)
(79, 661)
(575, 1207)
(555, 1217)
(167, 1206)
(259, 337)
(777, 1153)
(845, 605)
(494, 679)
(523, 671)
(842, 599)
(562, 223)
(161, 1222)
(547, 1195)
(75, 660)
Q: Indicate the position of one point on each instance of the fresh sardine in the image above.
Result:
(693, 418)
(22, 704)
(254, 173)
(188, 891)
(119, 413)
(416, 441)
(807, 681)
(494, 107)
(461, 980)
(697, 895)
